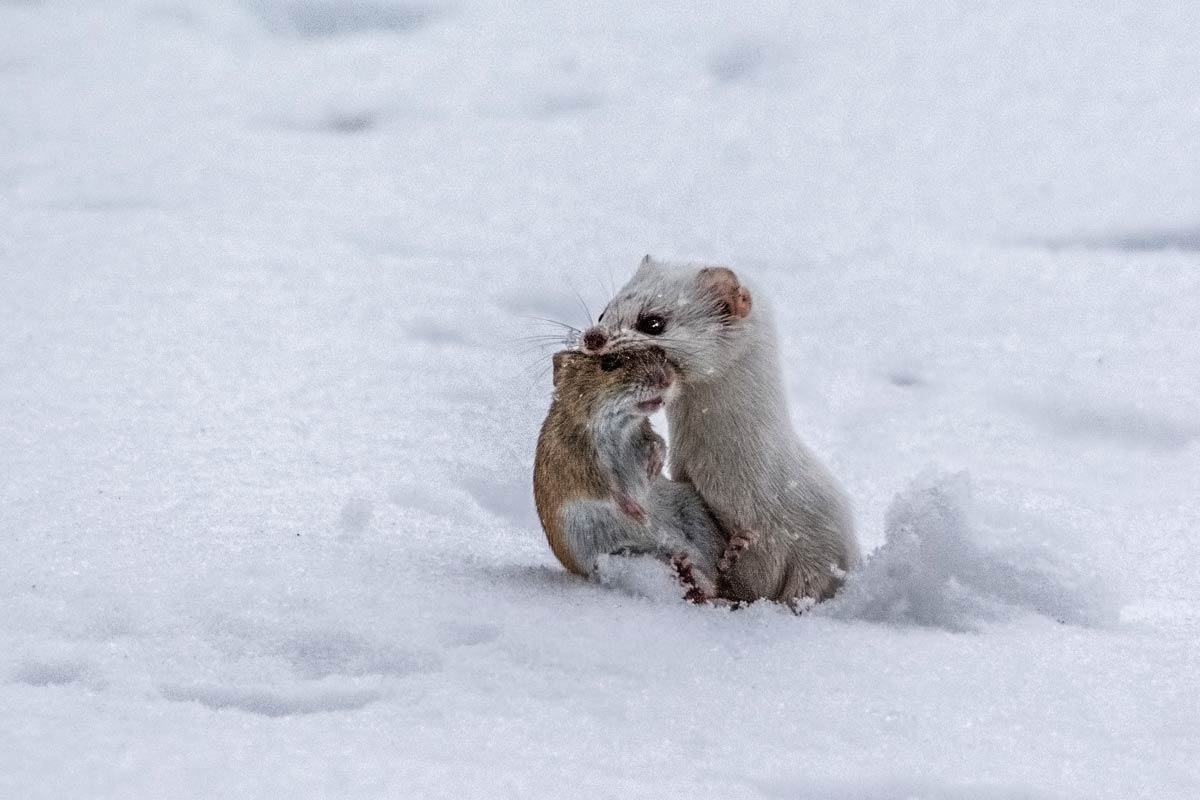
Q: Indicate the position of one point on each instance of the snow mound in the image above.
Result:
(639, 576)
(937, 568)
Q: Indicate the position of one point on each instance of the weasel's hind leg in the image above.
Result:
(740, 540)
(803, 589)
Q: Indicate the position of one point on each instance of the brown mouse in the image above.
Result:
(597, 478)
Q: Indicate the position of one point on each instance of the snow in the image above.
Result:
(936, 568)
(269, 395)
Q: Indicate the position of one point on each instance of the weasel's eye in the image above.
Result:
(610, 362)
(652, 324)
(601, 317)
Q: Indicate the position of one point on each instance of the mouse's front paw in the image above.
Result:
(739, 542)
(656, 458)
(699, 588)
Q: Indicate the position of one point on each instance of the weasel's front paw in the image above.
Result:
(739, 542)
(699, 589)
(630, 507)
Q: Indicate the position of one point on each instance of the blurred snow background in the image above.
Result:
(268, 402)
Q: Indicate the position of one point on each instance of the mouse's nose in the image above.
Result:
(661, 377)
(594, 339)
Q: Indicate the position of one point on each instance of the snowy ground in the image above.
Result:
(267, 408)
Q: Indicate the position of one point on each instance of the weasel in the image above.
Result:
(791, 532)
(597, 476)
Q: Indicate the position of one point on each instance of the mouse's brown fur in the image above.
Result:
(567, 465)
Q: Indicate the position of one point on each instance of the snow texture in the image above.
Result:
(273, 358)
(934, 569)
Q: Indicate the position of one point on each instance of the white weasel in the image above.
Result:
(792, 534)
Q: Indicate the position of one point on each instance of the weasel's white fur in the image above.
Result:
(731, 435)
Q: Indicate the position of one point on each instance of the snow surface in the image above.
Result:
(268, 395)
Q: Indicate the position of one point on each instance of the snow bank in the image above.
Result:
(947, 561)
(939, 568)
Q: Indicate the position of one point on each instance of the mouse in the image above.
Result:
(597, 479)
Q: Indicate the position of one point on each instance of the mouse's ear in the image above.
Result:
(646, 262)
(560, 361)
(721, 283)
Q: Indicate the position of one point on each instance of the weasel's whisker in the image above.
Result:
(549, 321)
(540, 350)
(603, 288)
(532, 365)
(542, 337)
(527, 371)
(537, 350)
(583, 304)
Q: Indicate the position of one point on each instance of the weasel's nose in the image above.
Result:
(594, 339)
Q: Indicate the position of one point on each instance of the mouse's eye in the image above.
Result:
(652, 324)
(601, 317)
(610, 362)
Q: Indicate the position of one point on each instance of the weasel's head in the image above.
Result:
(628, 383)
(695, 314)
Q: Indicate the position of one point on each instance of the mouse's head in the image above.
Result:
(632, 382)
(693, 313)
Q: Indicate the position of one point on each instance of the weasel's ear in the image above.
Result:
(560, 361)
(722, 285)
(646, 262)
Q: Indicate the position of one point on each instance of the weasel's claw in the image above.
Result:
(739, 543)
(798, 605)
